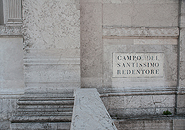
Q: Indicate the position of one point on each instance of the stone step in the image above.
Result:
(52, 95)
(41, 126)
(45, 110)
(62, 102)
(44, 106)
(44, 113)
(49, 94)
(48, 91)
(26, 119)
(45, 98)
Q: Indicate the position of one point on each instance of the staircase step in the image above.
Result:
(50, 91)
(45, 98)
(44, 106)
(63, 102)
(44, 113)
(41, 126)
(49, 95)
(45, 110)
(26, 119)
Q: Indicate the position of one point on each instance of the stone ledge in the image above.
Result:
(10, 31)
(181, 91)
(129, 113)
(44, 114)
(52, 61)
(24, 119)
(136, 93)
(41, 126)
(153, 117)
(117, 32)
(105, 92)
(66, 102)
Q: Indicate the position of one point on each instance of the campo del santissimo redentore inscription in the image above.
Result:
(144, 65)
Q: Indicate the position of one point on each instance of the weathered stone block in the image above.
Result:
(179, 124)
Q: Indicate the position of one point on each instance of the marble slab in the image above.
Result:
(138, 65)
(89, 112)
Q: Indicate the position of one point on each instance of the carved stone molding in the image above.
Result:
(140, 31)
(14, 7)
(10, 30)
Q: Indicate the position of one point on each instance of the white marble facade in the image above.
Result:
(58, 44)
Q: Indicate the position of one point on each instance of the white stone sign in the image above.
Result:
(141, 65)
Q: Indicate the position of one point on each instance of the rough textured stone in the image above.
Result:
(51, 31)
(54, 24)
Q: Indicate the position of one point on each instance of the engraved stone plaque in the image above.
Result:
(141, 65)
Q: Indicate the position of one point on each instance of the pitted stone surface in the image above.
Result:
(51, 24)
(51, 31)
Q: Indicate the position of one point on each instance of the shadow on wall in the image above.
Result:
(1, 13)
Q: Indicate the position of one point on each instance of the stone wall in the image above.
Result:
(99, 17)
(127, 27)
(51, 31)
(62, 51)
